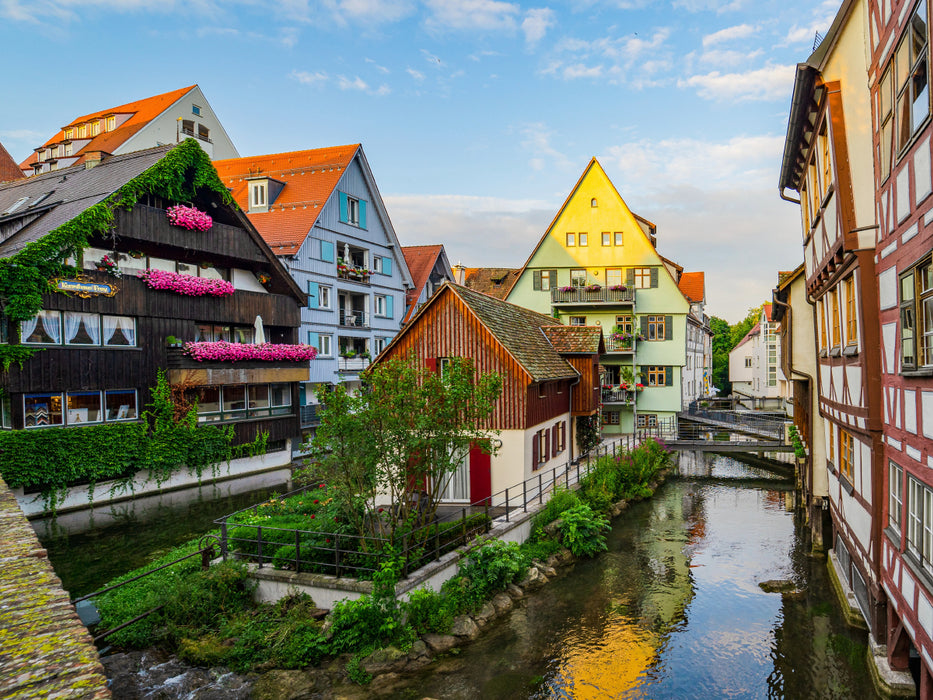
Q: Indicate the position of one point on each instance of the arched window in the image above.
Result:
(594, 203)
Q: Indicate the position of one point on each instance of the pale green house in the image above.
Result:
(597, 264)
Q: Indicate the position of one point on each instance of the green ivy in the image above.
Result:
(26, 276)
(16, 353)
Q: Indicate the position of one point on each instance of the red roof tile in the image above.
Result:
(9, 170)
(768, 316)
(420, 260)
(309, 178)
(143, 111)
(693, 286)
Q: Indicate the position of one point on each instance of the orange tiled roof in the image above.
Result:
(420, 260)
(748, 336)
(693, 285)
(143, 111)
(768, 316)
(9, 170)
(309, 178)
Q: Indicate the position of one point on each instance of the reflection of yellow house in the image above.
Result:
(642, 614)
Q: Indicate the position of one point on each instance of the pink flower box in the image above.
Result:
(189, 217)
(222, 351)
(186, 284)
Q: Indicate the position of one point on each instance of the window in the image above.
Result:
(242, 401)
(379, 303)
(578, 278)
(912, 75)
(582, 239)
(821, 321)
(559, 439)
(607, 238)
(613, 276)
(196, 110)
(748, 362)
(81, 329)
(825, 161)
(578, 320)
(111, 123)
(82, 131)
(642, 277)
(95, 128)
(353, 211)
(594, 203)
(326, 349)
(611, 418)
(324, 297)
(78, 408)
(886, 114)
(846, 454)
(257, 195)
(204, 133)
(916, 308)
(617, 237)
(625, 323)
(82, 407)
(544, 279)
(381, 344)
(848, 288)
(69, 149)
(571, 240)
(42, 329)
(895, 495)
(834, 320)
(920, 521)
(69, 134)
(656, 328)
(656, 375)
(647, 420)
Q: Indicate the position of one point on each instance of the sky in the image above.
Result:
(476, 116)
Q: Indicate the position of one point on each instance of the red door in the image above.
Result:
(480, 475)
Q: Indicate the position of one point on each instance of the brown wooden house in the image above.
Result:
(549, 371)
(104, 334)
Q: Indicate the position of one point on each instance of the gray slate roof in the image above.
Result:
(70, 192)
(520, 331)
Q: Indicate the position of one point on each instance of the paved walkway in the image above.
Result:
(45, 651)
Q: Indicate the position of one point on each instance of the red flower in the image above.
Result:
(327, 541)
(315, 500)
(321, 486)
(335, 518)
(381, 509)
(312, 517)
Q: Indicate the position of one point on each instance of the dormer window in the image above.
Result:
(69, 134)
(82, 131)
(111, 123)
(40, 155)
(95, 128)
(259, 195)
(69, 150)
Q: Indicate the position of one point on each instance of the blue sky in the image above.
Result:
(477, 116)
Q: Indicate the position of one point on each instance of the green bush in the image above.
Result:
(373, 621)
(428, 611)
(561, 500)
(485, 570)
(583, 531)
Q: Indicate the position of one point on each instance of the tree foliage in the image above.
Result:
(404, 434)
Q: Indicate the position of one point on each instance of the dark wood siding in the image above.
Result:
(553, 403)
(586, 394)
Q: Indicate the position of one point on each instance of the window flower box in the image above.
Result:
(223, 351)
(593, 288)
(189, 218)
(568, 288)
(618, 288)
(186, 284)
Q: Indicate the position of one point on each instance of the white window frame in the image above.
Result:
(571, 240)
(327, 345)
(895, 496)
(324, 297)
(353, 210)
(258, 195)
(379, 305)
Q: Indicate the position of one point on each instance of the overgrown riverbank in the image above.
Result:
(209, 618)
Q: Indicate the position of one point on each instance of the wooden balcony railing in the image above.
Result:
(603, 295)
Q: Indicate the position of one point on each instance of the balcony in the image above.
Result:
(618, 396)
(352, 364)
(358, 275)
(309, 415)
(620, 345)
(354, 319)
(590, 295)
(184, 369)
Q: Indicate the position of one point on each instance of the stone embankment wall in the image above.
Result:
(45, 651)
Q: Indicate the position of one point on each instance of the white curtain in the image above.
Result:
(128, 326)
(52, 325)
(73, 322)
(124, 324)
(28, 327)
(458, 484)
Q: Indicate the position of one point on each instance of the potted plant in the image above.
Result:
(109, 265)
(172, 342)
(137, 254)
(365, 355)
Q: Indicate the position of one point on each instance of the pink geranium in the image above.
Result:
(222, 351)
(189, 217)
(186, 284)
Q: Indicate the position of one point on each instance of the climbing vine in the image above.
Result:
(25, 276)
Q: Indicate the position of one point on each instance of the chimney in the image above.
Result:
(459, 272)
(94, 158)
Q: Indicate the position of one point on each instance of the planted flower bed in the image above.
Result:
(188, 285)
(224, 351)
(190, 218)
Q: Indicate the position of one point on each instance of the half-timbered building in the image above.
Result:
(150, 293)
(828, 162)
(899, 75)
(550, 374)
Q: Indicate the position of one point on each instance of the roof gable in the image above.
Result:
(9, 170)
(693, 286)
(495, 281)
(421, 261)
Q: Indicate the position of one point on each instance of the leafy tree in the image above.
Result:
(722, 338)
(404, 434)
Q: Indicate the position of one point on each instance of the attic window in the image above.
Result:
(594, 203)
(196, 110)
(258, 195)
(95, 128)
(82, 131)
(111, 123)
(69, 133)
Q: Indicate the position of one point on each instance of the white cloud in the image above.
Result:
(416, 74)
(360, 85)
(772, 82)
(477, 15)
(381, 69)
(536, 24)
(580, 70)
(739, 31)
(536, 139)
(308, 78)
(717, 6)
(67, 10)
(375, 11)
(726, 58)
(613, 57)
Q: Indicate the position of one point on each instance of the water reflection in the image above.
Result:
(674, 609)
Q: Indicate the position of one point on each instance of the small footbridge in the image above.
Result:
(727, 430)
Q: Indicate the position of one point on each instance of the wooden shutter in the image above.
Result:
(630, 277)
(534, 449)
(668, 328)
(343, 207)
(553, 278)
(387, 266)
(362, 213)
(536, 279)
(431, 364)
(389, 304)
(314, 340)
(563, 435)
(654, 277)
(668, 376)
(313, 298)
(327, 251)
(547, 444)
(644, 325)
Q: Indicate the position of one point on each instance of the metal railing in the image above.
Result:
(453, 526)
(352, 364)
(767, 424)
(354, 319)
(622, 396)
(617, 345)
(604, 295)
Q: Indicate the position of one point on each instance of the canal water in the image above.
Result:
(674, 609)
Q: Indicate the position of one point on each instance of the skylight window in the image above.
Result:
(15, 205)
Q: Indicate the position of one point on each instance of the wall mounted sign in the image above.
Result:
(84, 288)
